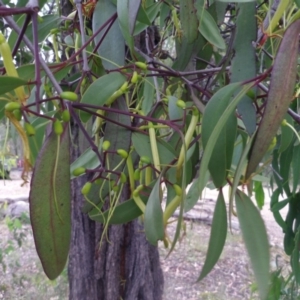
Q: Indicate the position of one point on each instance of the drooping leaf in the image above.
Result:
(148, 95)
(295, 257)
(9, 83)
(287, 134)
(50, 203)
(100, 91)
(217, 236)
(123, 9)
(188, 20)
(112, 48)
(88, 159)
(154, 225)
(199, 183)
(243, 66)
(208, 27)
(123, 213)
(256, 240)
(142, 146)
(221, 155)
(259, 194)
(295, 166)
(279, 96)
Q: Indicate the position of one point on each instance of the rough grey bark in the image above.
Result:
(126, 266)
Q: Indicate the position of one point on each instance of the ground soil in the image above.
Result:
(232, 277)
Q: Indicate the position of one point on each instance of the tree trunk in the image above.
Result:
(125, 267)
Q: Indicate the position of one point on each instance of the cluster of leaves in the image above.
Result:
(154, 122)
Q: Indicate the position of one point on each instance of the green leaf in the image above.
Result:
(243, 66)
(199, 184)
(287, 134)
(88, 159)
(296, 169)
(256, 240)
(154, 225)
(152, 12)
(217, 236)
(175, 112)
(123, 213)
(285, 163)
(259, 194)
(142, 146)
(50, 203)
(221, 155)
(295, 257)
(148, 95)
(188, 20)
(237, 1)
(123, 9)
(112, 48)
(9, 83)
(100, 91)
(208, 27)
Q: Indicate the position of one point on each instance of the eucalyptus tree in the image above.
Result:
(120, 105)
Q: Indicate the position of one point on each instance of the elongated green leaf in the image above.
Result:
(123, 213)
(256, 240)
(237, 1)
(199, 184)
(259, 194)
(112, 48)
(152, 12)
(188, 20)
(100, 91)
(208, 27)
(50, 203)
(88, 159)
(154, 226)
(296, 169)
(142, 146)
(9, 83)
(148, 95)
(287, 134)
(221, 155)
(217, 236)
(123, 9)
(295, 257)
(243, 66)
(285, 161)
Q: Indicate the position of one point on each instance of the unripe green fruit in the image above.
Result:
(71, 96)
(11, 106)
(135, 77)
(122, 153)
(78, 171)
(178, 189)
(145, 159)
(86, 188)
(123, 178)
(18, 114)
(65, 115)
(115, 188)
(136, 175)
(124, 87)
(141, 65)
(181, 104)
(29, 129)
(105, 145)
(58, 128)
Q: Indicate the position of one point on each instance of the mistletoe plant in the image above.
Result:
(154, 122)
